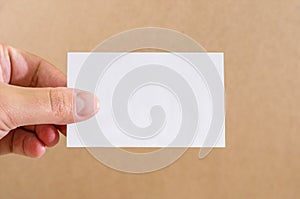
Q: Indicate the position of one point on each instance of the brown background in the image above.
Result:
(260, 40)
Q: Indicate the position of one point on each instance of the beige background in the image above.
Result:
(260, 40)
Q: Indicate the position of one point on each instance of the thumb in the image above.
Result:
(22, 106)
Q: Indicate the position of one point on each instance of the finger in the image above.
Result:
(48, 134)
(30, 106)
(24, 69)
(22, 142)
(61, 128)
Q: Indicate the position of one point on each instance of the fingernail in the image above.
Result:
(86, 104)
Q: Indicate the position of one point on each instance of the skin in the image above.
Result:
(34, 103)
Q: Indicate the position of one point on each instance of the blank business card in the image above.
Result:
(150, 99)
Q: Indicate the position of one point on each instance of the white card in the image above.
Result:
(150, 99)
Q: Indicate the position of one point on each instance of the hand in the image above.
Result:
(31, 110)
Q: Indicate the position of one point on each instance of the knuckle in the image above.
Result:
(60, 103)
(7, 122)
(5, 63)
